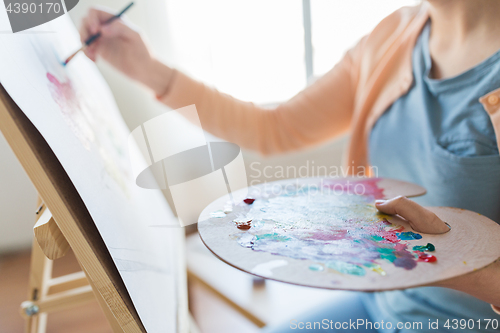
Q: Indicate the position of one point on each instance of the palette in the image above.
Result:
(327, 233)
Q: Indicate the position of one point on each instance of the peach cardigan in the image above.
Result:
(349, 98)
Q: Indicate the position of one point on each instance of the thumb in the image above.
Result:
(419, 218)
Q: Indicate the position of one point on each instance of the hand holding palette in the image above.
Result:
(327, 233)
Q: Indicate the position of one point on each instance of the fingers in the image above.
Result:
(117, 28)
(84, 29)
(91, 25)
(101, 15)
(419, 218)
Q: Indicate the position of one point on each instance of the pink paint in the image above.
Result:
(335, 235)
(87, 121)
(63, 93)
(71, 109)
(366, 186)
(400, 247)
(391, 237)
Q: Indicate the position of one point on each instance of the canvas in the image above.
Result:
(74, 110)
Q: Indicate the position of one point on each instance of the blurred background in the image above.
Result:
(264, 51)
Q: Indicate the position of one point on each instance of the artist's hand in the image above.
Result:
(419, 218)
(124, 48)
(483, 283)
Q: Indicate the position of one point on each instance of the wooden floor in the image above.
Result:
(14, 271)
(211, 315)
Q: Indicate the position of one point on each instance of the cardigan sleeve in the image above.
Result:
(318, 113)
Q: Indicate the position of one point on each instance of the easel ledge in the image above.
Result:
(47, 294)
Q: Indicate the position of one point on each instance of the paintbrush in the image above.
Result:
(96, 36)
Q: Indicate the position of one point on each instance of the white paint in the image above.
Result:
(265, 269)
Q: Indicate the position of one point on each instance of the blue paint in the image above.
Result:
(316, 268)
(346, 268)
(218, 214)
(409, 235)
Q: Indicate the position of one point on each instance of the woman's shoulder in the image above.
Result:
(400, 24)
(401, 18)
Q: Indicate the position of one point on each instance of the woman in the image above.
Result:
(420, 98)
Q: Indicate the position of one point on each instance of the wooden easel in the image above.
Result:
(47, 294)
(64, 222)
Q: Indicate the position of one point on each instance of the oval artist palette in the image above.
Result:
(326, 233)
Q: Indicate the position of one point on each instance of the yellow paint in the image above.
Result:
(377, 269)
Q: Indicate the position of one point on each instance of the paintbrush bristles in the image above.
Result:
(73, 55)
(96, 36)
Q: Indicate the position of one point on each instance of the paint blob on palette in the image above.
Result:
(327, 233)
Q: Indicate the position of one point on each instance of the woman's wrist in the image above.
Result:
(158, 77)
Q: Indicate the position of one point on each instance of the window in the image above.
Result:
(255, 50)
(338, 25)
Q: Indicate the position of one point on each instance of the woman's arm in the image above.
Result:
(320, 112)
(483, 284)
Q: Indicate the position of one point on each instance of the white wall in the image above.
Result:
(17, 202)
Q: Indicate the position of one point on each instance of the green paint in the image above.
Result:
(408, 235)
(316, 268)
(376, 238)
(274, 236)
(385, 250)
(390, 257)
(346, 268)
(429, 247)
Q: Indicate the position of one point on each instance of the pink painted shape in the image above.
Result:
(369, 186)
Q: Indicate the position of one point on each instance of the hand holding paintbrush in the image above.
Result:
(123, 46)
(91, 39)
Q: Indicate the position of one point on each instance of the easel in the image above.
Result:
(65, 222)
(47, 294)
